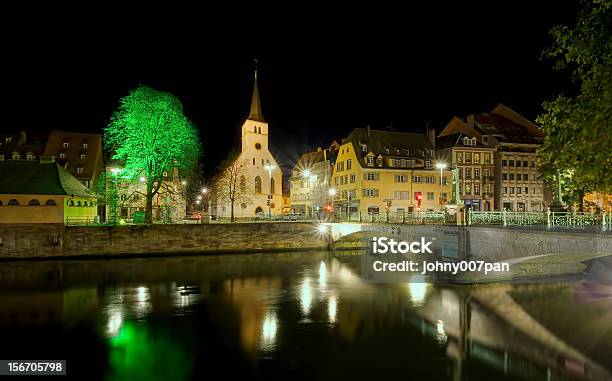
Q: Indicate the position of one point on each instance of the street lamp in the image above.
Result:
(204, 190)
(269, 167)
(332, 192)
(441, 166)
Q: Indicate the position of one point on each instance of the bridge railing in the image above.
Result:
(416, 218)
(548, 218)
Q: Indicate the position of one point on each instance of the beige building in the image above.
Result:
(43, 192)
(463, 148)
(310, 181)
(379, 171)
(514, 140)
(263, 176)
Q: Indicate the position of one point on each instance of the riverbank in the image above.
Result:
(48, 241)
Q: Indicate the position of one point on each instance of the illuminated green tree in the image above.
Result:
(150, 134)
(578, 141)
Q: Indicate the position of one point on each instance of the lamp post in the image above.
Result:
(332, 193)
(269, 167)
(441, 166)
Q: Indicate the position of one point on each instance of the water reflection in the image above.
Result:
(257, 315)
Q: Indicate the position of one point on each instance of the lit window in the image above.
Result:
(370, 160)
(79, 170)
(84, 145)
(62, 155)
(82, 157)
(66, 145)
(427, 164)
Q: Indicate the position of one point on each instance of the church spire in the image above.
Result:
(255, 113)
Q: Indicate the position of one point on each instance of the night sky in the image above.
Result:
(322, 72)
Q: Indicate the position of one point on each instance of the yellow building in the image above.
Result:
(379, 171)
(43, 192)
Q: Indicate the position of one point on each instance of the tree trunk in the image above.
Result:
(232, 210)
(149, 206)
(581, 200)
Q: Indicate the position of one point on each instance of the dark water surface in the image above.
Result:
(296, 316)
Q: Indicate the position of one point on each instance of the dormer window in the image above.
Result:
(387, 151)
(427, 164)
(431, 153)
(8, 140)
(165, 174)
(79, 170)
(62, 155)
(364, 147)
(84, 145)
(397, 151)
(16, 156)
(82, 156)
(29, 156)
(1, 157)
(370, 161)
(422, 152)
(66, 145)
(407, 151)
(379, 161)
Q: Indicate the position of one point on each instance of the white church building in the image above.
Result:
(263, 176)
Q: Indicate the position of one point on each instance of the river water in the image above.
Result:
(297, 316)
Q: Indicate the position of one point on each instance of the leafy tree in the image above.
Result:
(231, 183)
(578, 140)
(150, 134)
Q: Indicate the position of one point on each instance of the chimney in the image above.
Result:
(23, 136)
(470, 120)
(431, 136)
(368, 128)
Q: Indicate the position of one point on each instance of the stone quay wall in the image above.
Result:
(57, 240)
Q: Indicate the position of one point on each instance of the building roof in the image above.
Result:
(255, 113)
(92, 163)
(378, 141)
(34, 177)
(456, 140)
(310, 159)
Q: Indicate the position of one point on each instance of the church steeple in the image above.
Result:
(255, 113)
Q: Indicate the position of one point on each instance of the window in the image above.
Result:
(34, 202)
(468, 189)
(459, 157)
(370, 161)
(349, 164)
(430, 179)
(476, 173)
(533, 164)
(1, 157)
(487, 189)
(364, 148)
(512, 177)
(8, 140)
(444, 180)
(16, 156)
(373, 209)
(257, 184)
(62, 155)
(430, 195)
(165, 174)
(519, 190)
(50, 202)
(242, 183)
(396, 162)
(335, 180)
(444, 196)
(487, 158)
(340, 166)
(504, 176)
(476, 158)
(401, 195)
(387, 151)
(505, 190)
(66, 145)
(468, 157)
(82, 157)
(341, 180)
(504, 163)
(411, 163)
(371, 176)
(416, 179)
(477, 189)
(511, 190)
(487, 172)
(525, 163)
(468, 173)
(379, 161)
(272, 188)
(29, 156)
(525, 177)
(84, 145)
(253, 161)
(427, 164)
(518, 163)
(79, 170)
(352, 178)
(257, 146)
(526, 190)
(369, 192)
(13, 202)
(511, 162)
(400, 178)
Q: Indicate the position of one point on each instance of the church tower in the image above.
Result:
(263, 175)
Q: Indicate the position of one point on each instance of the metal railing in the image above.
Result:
(549, 218)
(415, 218)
